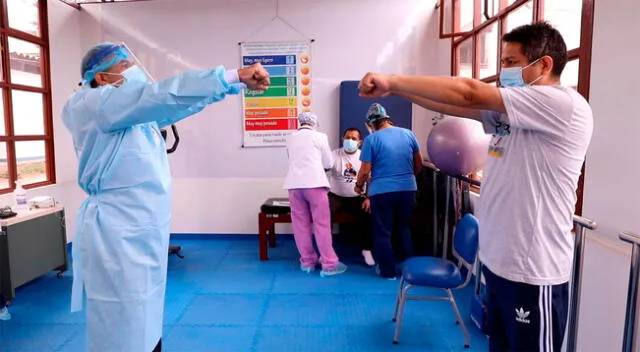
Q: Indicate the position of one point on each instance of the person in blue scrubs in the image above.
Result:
(120, 247)
(391, 156)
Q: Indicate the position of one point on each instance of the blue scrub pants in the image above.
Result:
(391, 214)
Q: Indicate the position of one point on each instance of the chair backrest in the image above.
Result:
(465, 239)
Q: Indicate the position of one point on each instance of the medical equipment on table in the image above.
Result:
(7, 212)
(41, 202)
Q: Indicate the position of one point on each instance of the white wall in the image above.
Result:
(613, 168)
(434, 59)
(220, 192)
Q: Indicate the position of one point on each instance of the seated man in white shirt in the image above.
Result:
(343, 198)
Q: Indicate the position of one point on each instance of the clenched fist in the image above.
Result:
(255, 77)
(374, 85)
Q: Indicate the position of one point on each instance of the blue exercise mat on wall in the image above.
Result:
(353, 108)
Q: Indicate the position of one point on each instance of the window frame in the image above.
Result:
(9, 138)
(582, 52)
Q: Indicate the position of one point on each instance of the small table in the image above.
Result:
(32, 244)
(276, 211)
(271, 213)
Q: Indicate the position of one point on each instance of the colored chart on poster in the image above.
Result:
(270, 116)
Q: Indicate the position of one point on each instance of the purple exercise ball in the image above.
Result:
(458, 146)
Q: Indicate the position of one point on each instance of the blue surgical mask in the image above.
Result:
(512, 76)
(350, 146)
(135, 74)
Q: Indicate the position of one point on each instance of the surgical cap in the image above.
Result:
(308, 118)
(376, 112)
(100, 58)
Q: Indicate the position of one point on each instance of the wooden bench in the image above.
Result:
(271, 214)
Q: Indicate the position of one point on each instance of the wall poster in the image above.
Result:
(270, 116)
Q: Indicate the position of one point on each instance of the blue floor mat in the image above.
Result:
(220, 297)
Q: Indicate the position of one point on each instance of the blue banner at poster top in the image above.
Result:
(270, 60)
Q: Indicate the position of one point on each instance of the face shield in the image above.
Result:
(104, 56)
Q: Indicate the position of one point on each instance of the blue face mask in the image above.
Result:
(350, 146)
(135, 74)
(512, 76)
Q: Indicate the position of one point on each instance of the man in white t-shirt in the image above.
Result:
(343, 198)
(541, 132)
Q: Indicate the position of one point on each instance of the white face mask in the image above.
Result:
(117, 83)
(132, 74)
(135, 74)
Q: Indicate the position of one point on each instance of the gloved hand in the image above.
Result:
(255, 77)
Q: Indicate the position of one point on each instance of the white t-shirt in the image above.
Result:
(528, 192)
(344, 172)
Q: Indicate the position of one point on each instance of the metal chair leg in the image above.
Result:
(395, 310)
(403, 300)
(463, 326)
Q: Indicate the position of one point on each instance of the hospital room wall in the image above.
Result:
(611, 191)
(222, 195)
(219, 186)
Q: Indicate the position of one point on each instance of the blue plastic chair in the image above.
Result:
(441, 273)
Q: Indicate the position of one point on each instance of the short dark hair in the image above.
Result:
(353, 129)
(377, 124)
(538, 40)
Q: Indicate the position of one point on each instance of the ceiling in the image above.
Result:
(77, 3)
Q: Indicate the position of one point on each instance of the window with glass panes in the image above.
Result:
(26, 129)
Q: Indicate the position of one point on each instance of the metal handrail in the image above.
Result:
(582, 224)
(629, 337)
(432, 166)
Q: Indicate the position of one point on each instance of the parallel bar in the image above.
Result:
(466, 179)
(435, 214)
(582, 225)
(445, 236)
(629, 339)
(584, 222)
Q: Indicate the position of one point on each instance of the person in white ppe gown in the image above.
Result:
(120, 247)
